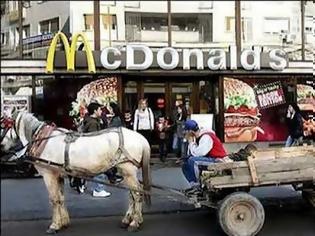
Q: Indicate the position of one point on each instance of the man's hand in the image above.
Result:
(190, 137)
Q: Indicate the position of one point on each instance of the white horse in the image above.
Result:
(89, 154)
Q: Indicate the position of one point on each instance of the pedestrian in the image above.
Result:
(128, 120)
(92, 123)
(295, 125)
(178, 138)
(117, 119)
(144, 120)
(204, 148)
(162, 127)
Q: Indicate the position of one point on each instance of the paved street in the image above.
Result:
(289, 221)
(25, 208)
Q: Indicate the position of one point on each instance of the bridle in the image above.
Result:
(5, 125)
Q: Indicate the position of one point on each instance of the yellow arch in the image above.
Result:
(52, 49)
(70, 52)
(88, 52)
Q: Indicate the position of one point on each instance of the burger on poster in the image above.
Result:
(306, 97)
(241, 117)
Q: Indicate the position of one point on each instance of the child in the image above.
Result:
(162, 128)
(128, 120)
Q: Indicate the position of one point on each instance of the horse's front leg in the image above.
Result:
(133, 218)
(54, 184)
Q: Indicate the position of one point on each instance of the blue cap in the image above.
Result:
(191, 125)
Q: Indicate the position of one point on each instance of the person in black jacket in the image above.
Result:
(92, 123)
(295, 125)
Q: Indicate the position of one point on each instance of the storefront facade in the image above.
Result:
(58, 96)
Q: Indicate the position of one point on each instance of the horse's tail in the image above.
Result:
(146, 176)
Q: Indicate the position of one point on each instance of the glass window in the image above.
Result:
(105, 21)
(4, 38)
(229, 24)
(154, 22)
(130, 96)
(276, 25)
(26, 31)
(44, 27)
(246, 25)
(54, 27)
(155, 94)
(109, 19)
(191, 27)
(16, 91)
(206, 96)
(49, 26)
(88, 21)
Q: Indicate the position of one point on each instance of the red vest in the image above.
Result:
(217, 151)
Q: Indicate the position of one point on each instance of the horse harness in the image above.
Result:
(43, 133)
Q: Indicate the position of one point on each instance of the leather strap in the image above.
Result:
(70, 138)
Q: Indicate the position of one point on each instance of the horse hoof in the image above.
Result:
(65, 226)
(124, 225)
(51, 231)
(132, 228)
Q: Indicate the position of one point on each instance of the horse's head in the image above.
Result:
(8, 135)
(17, 129)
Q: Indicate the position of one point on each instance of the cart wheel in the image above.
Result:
(241, 214)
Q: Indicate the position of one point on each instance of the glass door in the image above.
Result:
(181, 93)
(155, 94)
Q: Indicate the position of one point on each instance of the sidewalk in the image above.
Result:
(27, 199)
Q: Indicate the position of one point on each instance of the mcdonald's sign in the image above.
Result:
(69, 51)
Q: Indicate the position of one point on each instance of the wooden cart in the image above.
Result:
(226, 185)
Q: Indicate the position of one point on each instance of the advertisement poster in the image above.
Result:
(306, 102)
(102, 91)
(269, 95)
(20, 102)
(254, 110)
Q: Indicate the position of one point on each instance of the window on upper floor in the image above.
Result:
(49, 26)
(26, 31)
(246, 25)
(153, 21)
(4, 38)
(109, 20)
(273, 25)
(105, 21)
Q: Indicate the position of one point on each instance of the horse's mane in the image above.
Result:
(31, 124)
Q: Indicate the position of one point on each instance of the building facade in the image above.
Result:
(198, 25)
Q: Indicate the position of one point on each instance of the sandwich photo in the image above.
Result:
(241, 117)
(102, 91)
(306, 97)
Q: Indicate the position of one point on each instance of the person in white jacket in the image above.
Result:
(144, 120)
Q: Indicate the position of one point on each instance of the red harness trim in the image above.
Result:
(41, 139)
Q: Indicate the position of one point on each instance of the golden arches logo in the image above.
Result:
(70, 52)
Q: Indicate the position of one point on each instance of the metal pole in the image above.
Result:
(303, 29)
(238, 29)
(20, 11)
(169, 23)
(109, 26)
(97, 33)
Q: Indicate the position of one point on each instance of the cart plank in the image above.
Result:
(307, 174)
